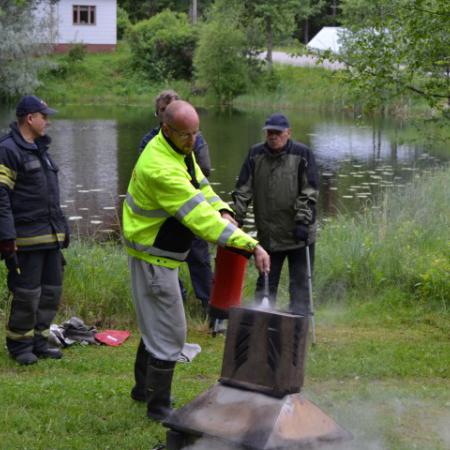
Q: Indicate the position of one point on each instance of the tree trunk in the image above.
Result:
(194, 11)
(306, 31)
(269, 36)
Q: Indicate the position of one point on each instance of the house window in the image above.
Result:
(83, 15)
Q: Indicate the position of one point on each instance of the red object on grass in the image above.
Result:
(112, 337)
(228, 280)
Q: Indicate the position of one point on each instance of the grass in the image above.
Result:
(380, 367)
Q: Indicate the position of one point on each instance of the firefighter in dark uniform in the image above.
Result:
(33, 230)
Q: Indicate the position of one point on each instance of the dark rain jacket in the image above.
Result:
(30, 209)
(284, 188)
(201, 150)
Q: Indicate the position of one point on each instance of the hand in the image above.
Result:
(301, 232)
(7, 248)
(66, 241)
(262, 259)
(227, 216)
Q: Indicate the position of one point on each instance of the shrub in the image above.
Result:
(77, 53)
(220, 59)
(123, 23)
(163, 46)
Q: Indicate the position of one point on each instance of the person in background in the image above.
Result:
(280, 177)
(169, 200)
(198, 260)
(33, 230)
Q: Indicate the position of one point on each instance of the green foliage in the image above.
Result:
(76, 53)
(163, 46)
(123, 23)
(398, 48)
(22, 40)
(220, 58)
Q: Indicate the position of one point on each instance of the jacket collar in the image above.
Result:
(40, 143)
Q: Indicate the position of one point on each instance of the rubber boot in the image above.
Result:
(158, 386)
(140, 369)
(42, 350)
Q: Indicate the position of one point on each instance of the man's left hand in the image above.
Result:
(227, 216)
(301, 232)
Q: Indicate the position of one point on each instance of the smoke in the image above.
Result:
(209, 443)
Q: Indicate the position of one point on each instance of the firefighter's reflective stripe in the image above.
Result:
(45, 333)
(44, 239)
(144, 212)
(226, 233)
(204, 182)
(5, 170)
(6, 180)
(189, 206)
(18, 336)
(213, 200)
(154, 251)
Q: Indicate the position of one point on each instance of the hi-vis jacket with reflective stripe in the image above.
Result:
(163, 209)
(30, 211)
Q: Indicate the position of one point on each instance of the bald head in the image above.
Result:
(180, 125)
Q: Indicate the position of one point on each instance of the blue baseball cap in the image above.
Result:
(31, 104)
(276, 121)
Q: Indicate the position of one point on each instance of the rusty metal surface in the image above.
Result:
(256, 421)
(265, 351)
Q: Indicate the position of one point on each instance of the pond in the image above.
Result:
(96, 148)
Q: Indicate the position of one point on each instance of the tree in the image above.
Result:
(220, 59)
(397, 47)
(305, 10)
(273, 18)
(22, 33)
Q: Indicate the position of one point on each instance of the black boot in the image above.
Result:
(42, 350)
(158, 385)
(140, 369)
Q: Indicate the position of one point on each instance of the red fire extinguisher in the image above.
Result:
(228, 283)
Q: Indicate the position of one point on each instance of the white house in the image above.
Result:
(88, 22)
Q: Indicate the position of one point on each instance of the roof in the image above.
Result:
(327, 39)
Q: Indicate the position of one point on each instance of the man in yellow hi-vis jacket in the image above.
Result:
(169, 200)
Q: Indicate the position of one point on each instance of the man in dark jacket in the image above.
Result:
(33, 229)
(280, 177)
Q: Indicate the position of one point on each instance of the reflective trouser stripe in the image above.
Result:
(189, 206)
(144, 212)
(43, 239)
(154, 251)
(226, 233)
(24, 307)
(19, 336)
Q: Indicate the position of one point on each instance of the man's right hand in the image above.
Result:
(7, 248)
(262, 259)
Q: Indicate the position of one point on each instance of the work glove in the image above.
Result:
(301, 232)
(66, 241)
(7, 248)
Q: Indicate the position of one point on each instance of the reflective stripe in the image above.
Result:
(6, 180)
(144, 212)
(154, 251)
(204, 182)
(18, 336)
(189, 206)
(45, 333)
(44, 239)
(214, 199)
(226, 233)
(8, 172)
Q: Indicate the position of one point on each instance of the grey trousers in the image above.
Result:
(159, 308)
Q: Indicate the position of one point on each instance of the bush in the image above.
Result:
(220, 59)
(163, 46)
(123, 23)
(77, 53)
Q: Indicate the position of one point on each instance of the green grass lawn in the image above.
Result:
(385, 381)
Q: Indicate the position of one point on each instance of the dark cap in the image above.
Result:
(276, 122)
(31, 104)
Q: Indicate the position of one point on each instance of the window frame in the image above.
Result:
(76, 15)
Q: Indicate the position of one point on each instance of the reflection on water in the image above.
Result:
(96, 148)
